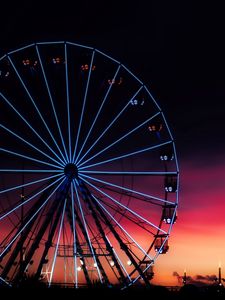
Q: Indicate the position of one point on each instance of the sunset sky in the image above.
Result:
(197, 241)
(177, 50)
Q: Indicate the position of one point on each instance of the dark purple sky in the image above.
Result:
(175, 47)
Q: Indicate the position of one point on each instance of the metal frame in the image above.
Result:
(81, 194)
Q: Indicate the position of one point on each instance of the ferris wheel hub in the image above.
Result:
(71, 171)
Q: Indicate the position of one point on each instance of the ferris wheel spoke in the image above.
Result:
(109, 126)
(4, 56)
(123, 214)
(83, 106)
(86, 230)
(28, 143)
(57, 244)
(128, 173)
(52, 102)
(74, 235)
(119, 260)
(28, 124)
(28, 171)
(125, 207)
(27, 184)
(35, 106)
(29, 158)
(3, 280)
(31, 218)
(30, 198)
(97, 115)
(68, 102)
(122, 228)
(121, 138)
(127, 189)
(125, 155)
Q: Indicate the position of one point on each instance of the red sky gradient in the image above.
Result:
(197, 240)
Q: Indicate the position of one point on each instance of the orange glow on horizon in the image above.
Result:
(196, 241)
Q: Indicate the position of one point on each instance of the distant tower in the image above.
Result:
(185, 277)
(220, 277)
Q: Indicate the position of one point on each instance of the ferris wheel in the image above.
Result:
(88, 166)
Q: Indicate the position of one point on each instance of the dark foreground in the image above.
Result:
(155, 292)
